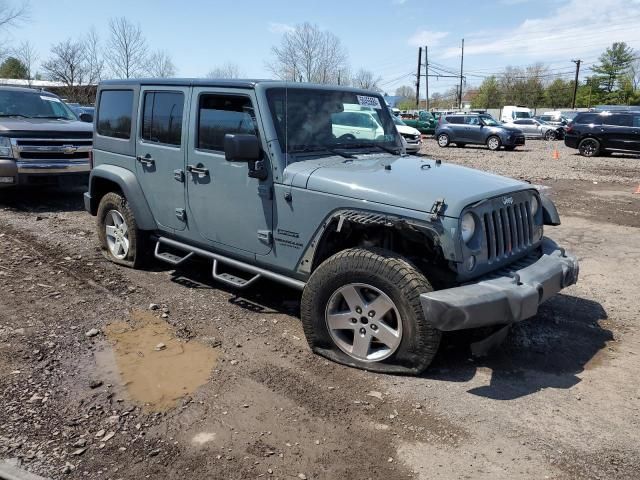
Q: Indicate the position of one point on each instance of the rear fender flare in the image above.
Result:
(128, 183)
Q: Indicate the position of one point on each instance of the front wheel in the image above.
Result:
(361, 308)
(443, 140)
(120, 239)
(549, 135)
(493, 143)
(589, 147)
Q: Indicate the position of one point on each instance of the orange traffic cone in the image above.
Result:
(637, 190)
(556, 153)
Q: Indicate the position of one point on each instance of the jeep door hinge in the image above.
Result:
(178, 175)
(265, 236)
(265, 191)
(437, 208)
(181, 214)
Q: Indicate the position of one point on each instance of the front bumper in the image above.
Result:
(514, 140)
(505, 299)
(42, 173)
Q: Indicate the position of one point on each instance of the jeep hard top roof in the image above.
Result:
(224, 83)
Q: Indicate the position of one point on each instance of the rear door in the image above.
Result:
(160, 152)
(618, 132)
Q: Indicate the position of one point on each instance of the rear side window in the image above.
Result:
(457, 120)
(617, 120)
(114, 113)
(636, 120)
(162, 119)
(222, 114)
(588, 118)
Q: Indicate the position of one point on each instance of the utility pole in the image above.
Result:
(418, 78)
(461, 67)
(426, 72)
(575, 83)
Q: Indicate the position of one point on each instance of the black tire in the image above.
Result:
(494, 143)
(589, 147)
(391, 274)
(510, 148)
(550, 135)
(136, 256)
(443, 140)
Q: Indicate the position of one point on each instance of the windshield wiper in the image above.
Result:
(13, 115)
(393, 151)
(319, 149)
(55, 117)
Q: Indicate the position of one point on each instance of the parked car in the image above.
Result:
(479, 130)
(423, 122)
(515, 112)
(552, 118)
(83, 110)
(601, 133)
(42, 142)
(388, 250)
(411, 136)
(533, 128)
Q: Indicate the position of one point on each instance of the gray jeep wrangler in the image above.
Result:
(273, 180)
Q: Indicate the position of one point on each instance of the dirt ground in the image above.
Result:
(112, 373)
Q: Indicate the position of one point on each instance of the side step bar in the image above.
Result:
(227, 278)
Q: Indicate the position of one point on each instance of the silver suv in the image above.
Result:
(482, 129)
(42, 142)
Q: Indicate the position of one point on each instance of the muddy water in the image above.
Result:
(154, 375)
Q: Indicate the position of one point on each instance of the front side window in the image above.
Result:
(162, 117)
(32, 104)
(318, 120)
(222, 114)
(471, 120)
(489, 121)
(114, 113)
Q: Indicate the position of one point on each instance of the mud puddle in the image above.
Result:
(151, 365)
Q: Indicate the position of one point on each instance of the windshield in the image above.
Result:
(522, 114)
(315, 120)
(489, 121)
(15, 103)
(397, 121)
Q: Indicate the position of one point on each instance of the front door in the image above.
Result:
(473, 129)
(160, 152)
(226, 206)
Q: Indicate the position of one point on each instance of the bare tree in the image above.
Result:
(366, 79)
(27, 54)
(309, 54)
(228, 70)
(10, 16)
(126, 49)
(67, 64)
(160, 65)
(94, 58)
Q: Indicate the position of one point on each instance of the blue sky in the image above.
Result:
(380, 35)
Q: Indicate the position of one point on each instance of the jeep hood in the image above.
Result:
(407, 182)
(12, 124)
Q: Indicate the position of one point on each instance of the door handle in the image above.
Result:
(147, 161)
(200, 171)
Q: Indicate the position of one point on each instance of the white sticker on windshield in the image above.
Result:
(49, 99)
(372, 102)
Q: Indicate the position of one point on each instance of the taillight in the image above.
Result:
(568, 128)
(91, 159)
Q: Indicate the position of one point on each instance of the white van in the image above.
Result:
(515, 112)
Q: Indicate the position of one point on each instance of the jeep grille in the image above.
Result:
(508, 230)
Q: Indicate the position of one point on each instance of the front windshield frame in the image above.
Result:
(299, 136)
(27, 104)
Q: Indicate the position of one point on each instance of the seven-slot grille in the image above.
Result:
(508, 230)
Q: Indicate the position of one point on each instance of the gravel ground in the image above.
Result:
(78, 334)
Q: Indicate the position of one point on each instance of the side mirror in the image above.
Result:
(241, 147)
(86, 117)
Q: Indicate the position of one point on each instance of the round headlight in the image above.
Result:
(467, 226)
(535, 204)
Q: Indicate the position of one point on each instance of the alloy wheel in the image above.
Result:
(117, 234)
(364, 322)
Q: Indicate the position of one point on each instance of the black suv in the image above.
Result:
(596, 133)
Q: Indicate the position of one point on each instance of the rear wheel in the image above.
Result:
(589, 147)
(493, 143)
(443, 140)
(361, 308)
(121, 240)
